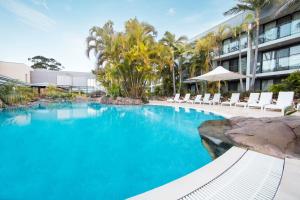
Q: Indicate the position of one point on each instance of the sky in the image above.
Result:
(58, 28)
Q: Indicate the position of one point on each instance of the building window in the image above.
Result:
(244, 65)
(294, 61)
(226, 46)
(269, 62)
(282, 59)
(234, 46)
(270, 32)
(296, 23)
(234, 65)
(284, 26)
(244, 41)
(226, 65)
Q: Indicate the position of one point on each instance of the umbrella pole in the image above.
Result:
(219, 86)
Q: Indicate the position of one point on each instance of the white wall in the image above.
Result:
(16, 71)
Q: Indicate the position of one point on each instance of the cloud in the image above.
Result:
(42, 3)
(28, 15)
(171, 12)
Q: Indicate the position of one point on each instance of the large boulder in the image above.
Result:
(278, 136)
(120, 101)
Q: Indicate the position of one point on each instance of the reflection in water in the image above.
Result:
(55, 111)
(187, 110)
(21, 120)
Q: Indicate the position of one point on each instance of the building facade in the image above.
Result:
(18, 72)
(278, 48)
(10, 71)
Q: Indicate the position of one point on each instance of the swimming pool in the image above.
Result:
(93, 151)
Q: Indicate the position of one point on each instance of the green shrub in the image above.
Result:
(12, 94)
(114, 90)
(291, 83)
(53, 92)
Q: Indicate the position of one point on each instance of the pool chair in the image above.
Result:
(176, 98)
(215, 100)
(205, 98)
(196, 100)
(284, 100)
(235, 98)
(265, 99)
(186, 98)
(253, 98)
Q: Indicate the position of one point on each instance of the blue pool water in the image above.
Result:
(93, 151)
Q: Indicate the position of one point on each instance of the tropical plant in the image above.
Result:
(255, 6)
(237, 32)
(127, 59)
(52, 92)
(177, 46)
(291, 83)
(41, 62)
(219, 36)
(12, 94)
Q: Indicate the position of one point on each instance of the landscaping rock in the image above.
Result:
(119, 101)
(278, 136)
(1, 104)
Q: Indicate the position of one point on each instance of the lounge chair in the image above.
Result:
(175, 99)
(235, 98)
(285, 99)
(253, 98)
(186, 98)
(196, 100)
(215, 100)
(205, 98)
(265, 99)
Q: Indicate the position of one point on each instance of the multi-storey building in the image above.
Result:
(279, 48)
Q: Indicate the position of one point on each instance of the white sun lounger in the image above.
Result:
(196, 100)
(186, 98)
(285, 99)
(176, 98)
(253, 98)
(265, 99)
(235, 97)
(215, 100)
(205, 98)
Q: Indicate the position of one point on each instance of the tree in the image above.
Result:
(175, 45)
(41, 62)
(126, 61)
(237, 32)
(220, 35)
(255, 6)
(291, 83)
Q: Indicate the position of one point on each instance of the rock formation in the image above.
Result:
(278, 136)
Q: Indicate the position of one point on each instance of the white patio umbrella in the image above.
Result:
(219, 74)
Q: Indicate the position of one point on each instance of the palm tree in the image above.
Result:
(170, 40)
(237, 32)
(220, 35)
(255, 6)
(126, 60)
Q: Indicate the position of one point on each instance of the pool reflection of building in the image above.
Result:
(61, 113)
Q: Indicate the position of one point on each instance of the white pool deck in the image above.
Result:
(237, 174)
